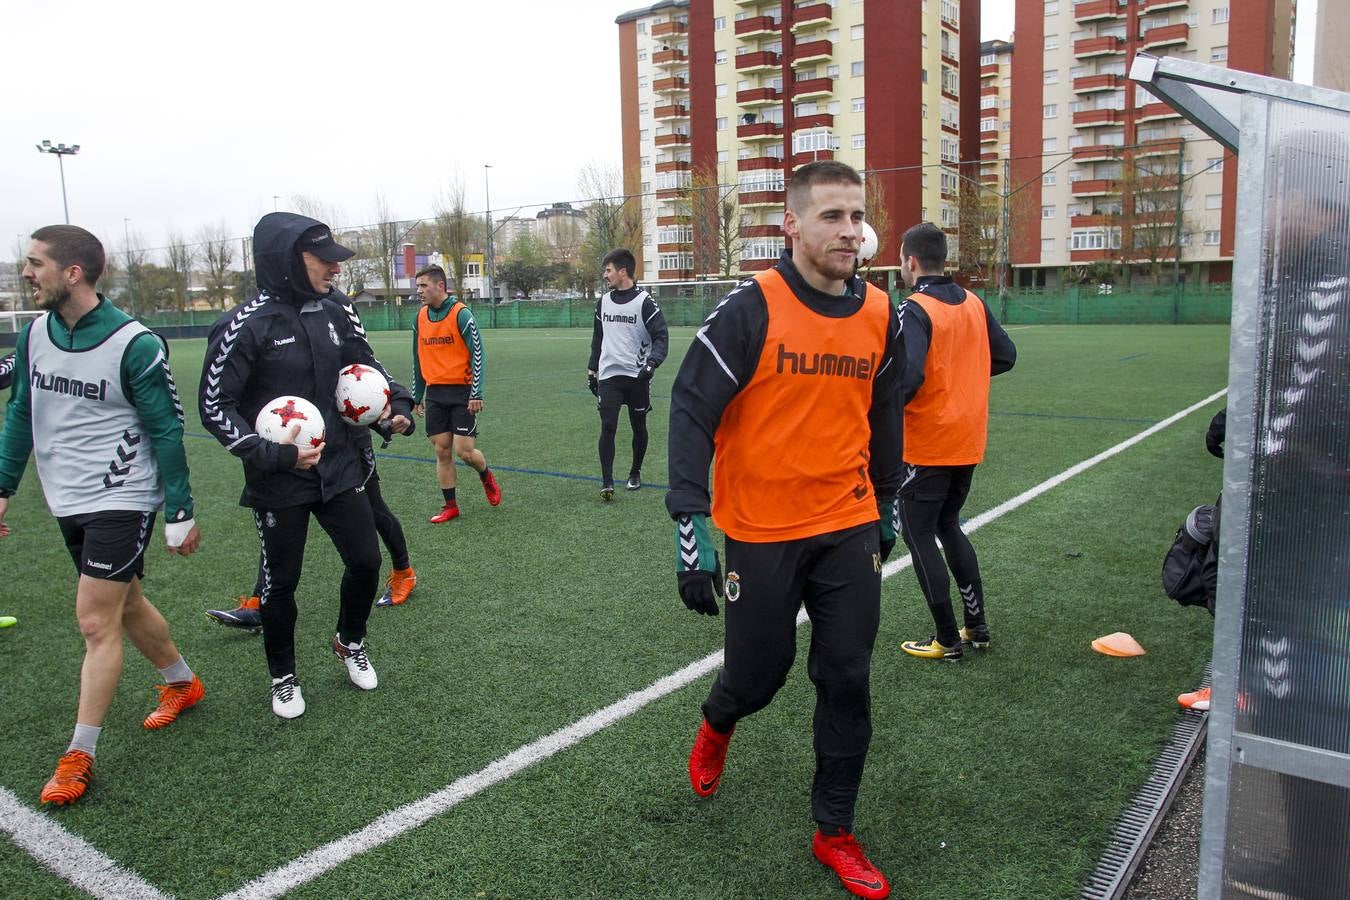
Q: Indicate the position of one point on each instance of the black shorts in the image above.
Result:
(618, 390)
(951, 483)
(448, 411)
(108, 545)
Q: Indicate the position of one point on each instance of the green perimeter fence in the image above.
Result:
(1075, 305)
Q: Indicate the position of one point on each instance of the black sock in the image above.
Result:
(485, 474)
(449, 495)
(831, 830)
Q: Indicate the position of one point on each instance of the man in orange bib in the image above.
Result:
(448, 387)
(791, 388)
(953, 346)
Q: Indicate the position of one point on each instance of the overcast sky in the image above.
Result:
(193, 114)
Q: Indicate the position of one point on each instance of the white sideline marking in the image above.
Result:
(82, 865)
(68, 856)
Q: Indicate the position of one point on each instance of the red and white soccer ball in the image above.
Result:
(276, 418)
(867, 250)
(362, 394)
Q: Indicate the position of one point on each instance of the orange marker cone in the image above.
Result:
(1118, 643)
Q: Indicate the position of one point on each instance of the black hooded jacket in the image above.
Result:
(289, 340)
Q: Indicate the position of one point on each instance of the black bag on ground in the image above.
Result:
(1190, 568)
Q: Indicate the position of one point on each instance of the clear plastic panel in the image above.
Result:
(1294, 666)
(1288, 837)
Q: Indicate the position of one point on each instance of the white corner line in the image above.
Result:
(69, 856)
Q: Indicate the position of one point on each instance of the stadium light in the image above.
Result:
(59, 151)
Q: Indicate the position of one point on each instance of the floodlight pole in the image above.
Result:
(59, 151)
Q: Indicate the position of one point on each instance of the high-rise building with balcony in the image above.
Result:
(995, 111)
(1110, 173)
(724, 99)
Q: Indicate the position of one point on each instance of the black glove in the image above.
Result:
(697, 566)
(1214, 438)
(593, 383)
(890, 525)
(646, 372)
(385, 429)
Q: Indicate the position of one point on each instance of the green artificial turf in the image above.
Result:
(999, 776)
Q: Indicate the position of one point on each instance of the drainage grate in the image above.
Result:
(1136, 827)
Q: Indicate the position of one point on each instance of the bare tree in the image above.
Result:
(386, 236)
(217, 253)
(180, 256)
(711, 205)
(455, 232)
(877, 211)
(1154, 189)
(133, 263)
(327, 213)
(613, 219)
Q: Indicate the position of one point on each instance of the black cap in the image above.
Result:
(319, 241)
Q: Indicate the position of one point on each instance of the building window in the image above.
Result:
(1052, 42)
(761, 180)
(646, 187)
(642, 55)
(1219, 54)
(951, 84)
(859, 141)
(1211, 239)
(1052, 8)
(720, 23)
(721, 90)
(831, 71)
(858, 104)
(721, 123)
(1049, 145)
(1214, 201)
(855, 33)
(1051, 76)
(1215, 165)
(643, 109)
(989, 101)
(1048, 178)
(1050, 110)
(856, 69)
(1047, 245)
(989, 124)
(642, 81)
(1047, 212)
(1094, 239)
(642, 28)
(645, 161)
(721, 57)
(832, 107)
(721, 156)
(1218, 15)
(951, 149)
(642, 135)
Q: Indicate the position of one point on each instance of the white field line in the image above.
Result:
(86, 868)
(68, 856)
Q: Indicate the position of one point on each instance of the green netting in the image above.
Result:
(1091, 305)
(1075, 305)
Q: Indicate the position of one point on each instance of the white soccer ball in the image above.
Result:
(362, 394)
(276, 418)
(868, 248)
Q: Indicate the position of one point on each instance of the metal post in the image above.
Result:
(61, 164)
(1176, 238)
(1004, 267)
(488, 268)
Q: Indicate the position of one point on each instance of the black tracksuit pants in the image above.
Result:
(350, 524)
(386, 524)
(612, 393)
(838, 577)
(930, 510)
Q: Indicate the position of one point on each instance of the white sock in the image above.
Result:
(176, 671)
(86, 738)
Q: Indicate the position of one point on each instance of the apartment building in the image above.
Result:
(1107, 169)
(1331, 60)
(724, 99)
(995, 111)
